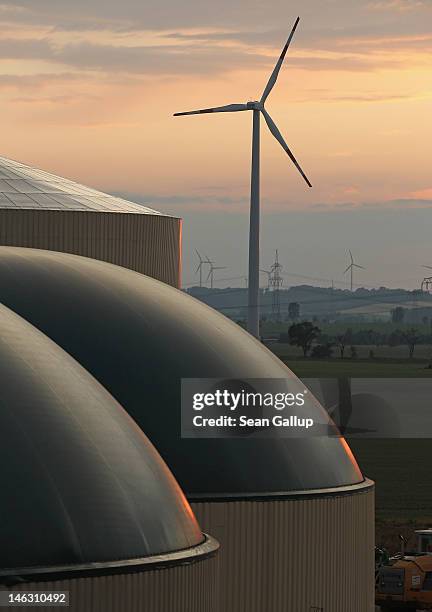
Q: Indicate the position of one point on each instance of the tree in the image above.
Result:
(294, 311)
(395, 338)
(398, 314)
(343, 340)
(303, 335)
(411, 339)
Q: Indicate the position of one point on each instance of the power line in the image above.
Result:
(341, 283)
(276, 281)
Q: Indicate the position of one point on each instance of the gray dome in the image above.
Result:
(139, 337)
(80, 483)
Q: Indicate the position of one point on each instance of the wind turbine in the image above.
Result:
(258, 108)
(202, 262)
(269, 274)
(211, 271)
(351, 268)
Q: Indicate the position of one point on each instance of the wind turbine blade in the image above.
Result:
(274, 75)
(428, 267)
(347, 269)
(357, 266)
(199, 256)
(351, 255)
(274, 130)
(209, 274)
(229, 108)
(198, 267)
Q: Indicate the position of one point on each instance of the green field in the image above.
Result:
(388, 362)
(402, 473)
(401, 468)
(271, 327)
(422, 352)
(321, 368)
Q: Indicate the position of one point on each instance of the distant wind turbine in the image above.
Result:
(254, 235)
(351, 268)
(202, 262)
(269, 274)
(211, 271)
(428, 267)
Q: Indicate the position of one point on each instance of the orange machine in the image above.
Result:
(405, 583)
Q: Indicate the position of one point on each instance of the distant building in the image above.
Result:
(44, 211)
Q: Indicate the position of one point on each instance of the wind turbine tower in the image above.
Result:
(211, 271)
(258, 109)
(269, 275)
(351, 269)
(202, 262)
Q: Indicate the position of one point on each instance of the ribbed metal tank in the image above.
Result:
(139, 338)
(176, 588)
(86, 499)
(304, 551)
(45, 211)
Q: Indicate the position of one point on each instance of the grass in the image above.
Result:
(321, 368)
(384, 327)
(422, 352)
(388, 362)
(401, 468)
(403, 479)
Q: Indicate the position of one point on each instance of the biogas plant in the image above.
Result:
(102, 496)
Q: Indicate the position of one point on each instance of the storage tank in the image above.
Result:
(88, 506)
(45, 211)
(295, 517)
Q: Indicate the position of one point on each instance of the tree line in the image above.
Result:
(315, 343)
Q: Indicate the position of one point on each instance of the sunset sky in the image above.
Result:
(88, 89)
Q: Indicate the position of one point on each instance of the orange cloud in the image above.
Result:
(422, 194)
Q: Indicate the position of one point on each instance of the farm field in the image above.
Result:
(322, 368)
(388, 362)
(339, 327)
(401, 468)
(422, 352)
(403, 477)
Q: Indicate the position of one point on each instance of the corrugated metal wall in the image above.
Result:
(184, 588)
(149, 244)
(294, 555)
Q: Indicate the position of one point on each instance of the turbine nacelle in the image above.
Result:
(255, 105)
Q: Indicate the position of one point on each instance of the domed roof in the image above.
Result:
(24, 187)
(80, 483)
(139, 338)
